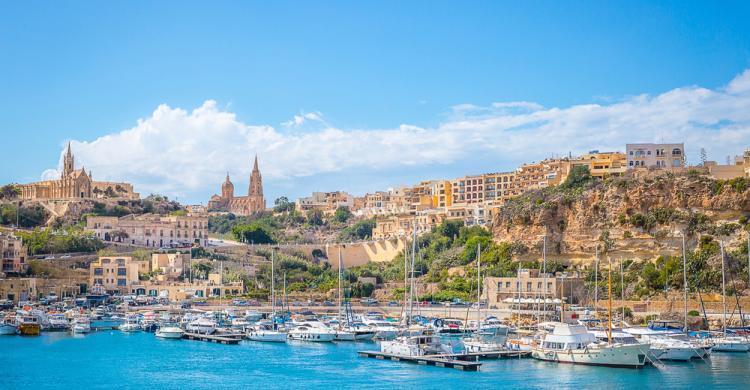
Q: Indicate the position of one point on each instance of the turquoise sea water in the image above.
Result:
(116, 360)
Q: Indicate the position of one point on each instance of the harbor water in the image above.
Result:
(117, 360)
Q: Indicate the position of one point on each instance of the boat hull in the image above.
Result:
(169, 335)
(29, 329)
(270, 337)
(314, 337)
(7, 329)
(626, 356)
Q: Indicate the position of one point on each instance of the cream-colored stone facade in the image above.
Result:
(530, 284)
(655, 156)
(116, 274)
(76, 184)
(151, 230)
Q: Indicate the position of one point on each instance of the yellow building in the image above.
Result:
(12, 254)
(117, 274)
(603, 164)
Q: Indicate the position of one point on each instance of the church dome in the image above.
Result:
(227, 188)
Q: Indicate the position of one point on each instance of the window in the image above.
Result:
(528, 286)
(676, 152)
(507, 284)
(539, 285)
(121, 272)
(676, 163)
(98, 271)
(122, 282)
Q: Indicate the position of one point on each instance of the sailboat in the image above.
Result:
(485, 338)
(414, 342)
(725, 343)
(268, 332)
(574, 344)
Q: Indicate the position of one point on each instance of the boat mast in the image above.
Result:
(544, 272)
(609, 304)
(479, 285)
(596, 278)
(273, 288)
(684, 280)
(723, 290)
(340, 266)
(411, 276)
(622, 294)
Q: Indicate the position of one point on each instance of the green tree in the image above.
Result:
(253, 233)
(315, 218)
(342, 214)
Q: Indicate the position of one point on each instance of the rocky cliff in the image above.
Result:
(633, 216)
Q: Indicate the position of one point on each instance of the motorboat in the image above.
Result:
(202, 325)
(253, 316)
(169, 331)
(448, 326)
(384, 329)
(266, 332)
(8, 326)
(312, 331)
(58, 322)
(421, 345)
(664, 347)
(478, 343)
(574, 344)
(148, 323)
(132, 324)
(81, 324)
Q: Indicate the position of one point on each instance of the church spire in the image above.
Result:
(255, 164)
(68, 162)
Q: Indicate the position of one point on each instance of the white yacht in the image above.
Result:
(169, 331)
(131, 325)
(574, 344)
(422, 345)
(312, 331)
(81, 325)
(266, 332)
(202, 325)
(663, 347)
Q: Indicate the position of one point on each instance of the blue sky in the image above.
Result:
(82, 71)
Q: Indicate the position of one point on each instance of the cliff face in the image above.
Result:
(640, 215)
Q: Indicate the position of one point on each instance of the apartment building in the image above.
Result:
(152, 230)
(602, 164)
(13, 254)
(402, 225)
(117, 274)
(655, 156)
(740, 168)
(170, 266)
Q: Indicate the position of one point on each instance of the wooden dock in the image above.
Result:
(437, 361)
(211, 338)
(476, 356)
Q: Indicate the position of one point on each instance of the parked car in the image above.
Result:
(65, 256)
(393, 303)
(370, 302)
(327, 303)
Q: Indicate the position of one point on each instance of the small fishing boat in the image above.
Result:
(132, 324)
(28, 325)
(8, 326)
(58, 322)
(81, 324)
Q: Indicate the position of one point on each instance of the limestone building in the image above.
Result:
(76, 184)
(241, 205)
(151, 230)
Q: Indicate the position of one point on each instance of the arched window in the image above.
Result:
(676, 152)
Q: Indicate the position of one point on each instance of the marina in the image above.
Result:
(127, 361)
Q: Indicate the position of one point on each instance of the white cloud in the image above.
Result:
(184, 153)
(302, 118)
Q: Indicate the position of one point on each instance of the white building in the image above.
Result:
(659, 156)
